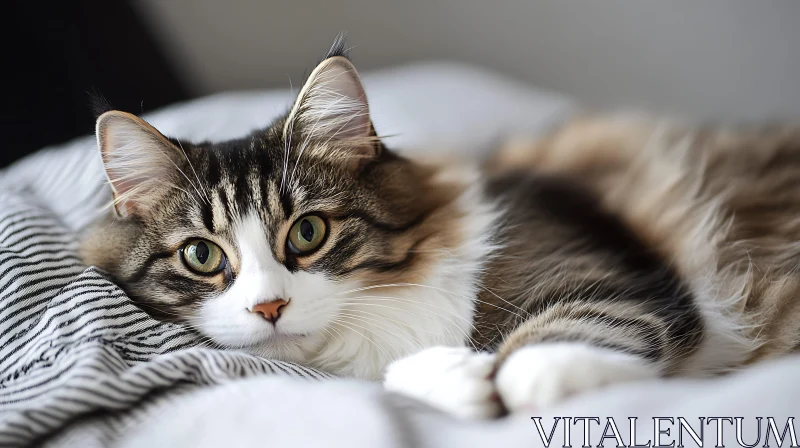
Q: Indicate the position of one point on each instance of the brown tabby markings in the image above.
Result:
(721, 206)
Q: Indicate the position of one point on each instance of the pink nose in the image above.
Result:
(271, 311)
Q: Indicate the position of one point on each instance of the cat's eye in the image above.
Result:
(306, 234)
(203, 257)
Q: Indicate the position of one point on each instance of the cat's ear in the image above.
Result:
(332, 108)
(141, 164)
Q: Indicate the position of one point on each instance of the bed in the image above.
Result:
(81, 365)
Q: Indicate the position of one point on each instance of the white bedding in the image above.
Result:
(446, 106)
(284, 413)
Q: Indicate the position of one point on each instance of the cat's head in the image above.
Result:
(275, 239)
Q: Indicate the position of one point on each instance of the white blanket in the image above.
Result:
(278, 412)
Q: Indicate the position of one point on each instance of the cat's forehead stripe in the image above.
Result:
(213, 172)
(273, 203)
(287, 205)
(207, 212)
(220, 208)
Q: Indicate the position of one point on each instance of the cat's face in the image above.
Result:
(270, 240)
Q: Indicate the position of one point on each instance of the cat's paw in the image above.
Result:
(454, 379)
(538, 376)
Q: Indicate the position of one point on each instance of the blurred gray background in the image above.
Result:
(718, 59)
(722, 60)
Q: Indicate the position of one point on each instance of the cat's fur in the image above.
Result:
(612, 250)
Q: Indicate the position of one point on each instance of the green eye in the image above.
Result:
(203, 257)
(306, 234)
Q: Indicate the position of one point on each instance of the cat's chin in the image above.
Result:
(282, 339)
(293, 347)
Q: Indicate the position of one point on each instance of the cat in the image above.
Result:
(611, 250)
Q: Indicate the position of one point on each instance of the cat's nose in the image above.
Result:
(271, 311)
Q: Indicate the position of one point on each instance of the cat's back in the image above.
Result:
(720, 205)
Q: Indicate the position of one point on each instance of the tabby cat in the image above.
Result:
(611, 250)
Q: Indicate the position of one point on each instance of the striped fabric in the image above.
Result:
(73, 347)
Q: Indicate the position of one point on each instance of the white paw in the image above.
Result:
(453, 379)
(537, 376)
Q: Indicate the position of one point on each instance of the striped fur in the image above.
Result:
(585, 277)
(717, 206)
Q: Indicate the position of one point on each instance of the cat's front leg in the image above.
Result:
(540, 375)
(581, 346)
(456, 380)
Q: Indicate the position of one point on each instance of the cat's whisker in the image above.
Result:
(467, 337)
(389, 344)
(379, 348)
(382, 325)
(368, 301)
(527, 314)
(425, 306)
(388, 285)
(336, 330)
(329, 333)
(407, 302)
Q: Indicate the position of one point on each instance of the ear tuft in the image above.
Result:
(339, 47)
(98, 103)
(141, 164)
